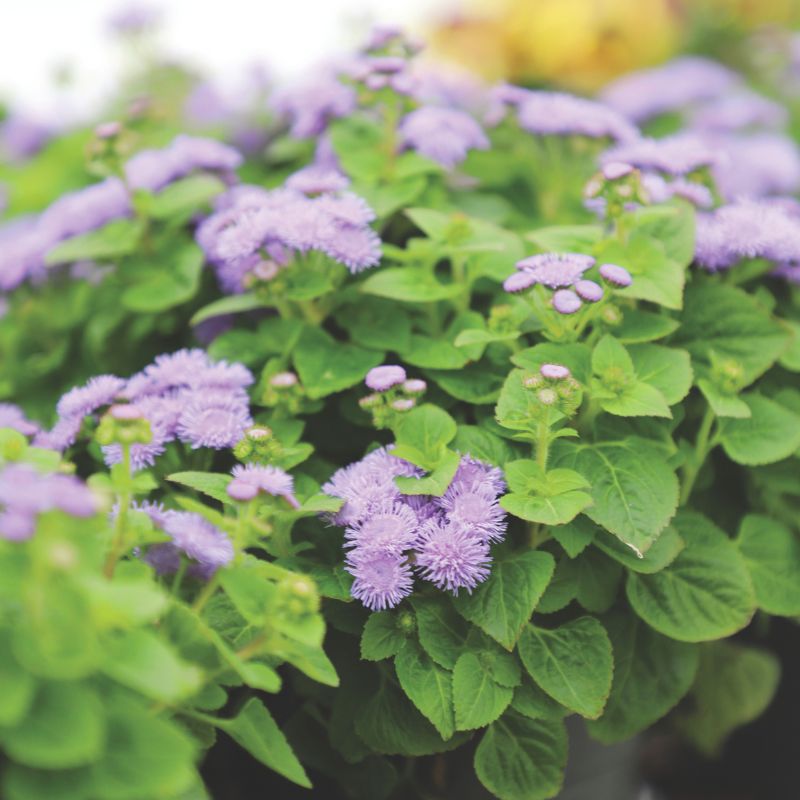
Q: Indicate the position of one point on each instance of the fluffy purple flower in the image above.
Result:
(199, 539)
(673, 155)
(560, 114)
(739, 110)
(519, 281)
(61, 436)
(660, 190)
(403, 403)
(673, 86)
(556, 270)
(142, 455)
(390, 528)
(474, 509)
(85, 209)
(250, 479)
(12, 416)
(589, 291)
(614, 170)
(381, 580)
(415, 386)
(451, 558)
(217, 424)
(315, 179)
(99, 391)
(565, 301)
(472, 473)
(22, 137)
(25, 493)
(380, 379)
(616, 275)
(311, 104)
(445, 135)
(554, 372)
(163, 557)
(134, 19)
(747, 229)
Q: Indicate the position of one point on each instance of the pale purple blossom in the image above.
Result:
(12, 416)
(679, 154)
(390, 528)
(554, 372)
(316, 179)
(589, 291)
(561, 114)
(614, 170)
(251, 479)
(99, 391)
(380, 379)
(381, 580)
(738, 110)
(450, 557)
(475, 509)
(312, 103)
(445, 135)
(415, 386)
(201, 541)
(616, 275)
(219, 425)
(556, 270)
(565, 301)
(403, 403)
(519, 281)
(674, 86)
(22, 136)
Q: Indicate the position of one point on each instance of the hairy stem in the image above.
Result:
(121, 523)
(703, 445)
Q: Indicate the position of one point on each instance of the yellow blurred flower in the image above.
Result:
(577, 43)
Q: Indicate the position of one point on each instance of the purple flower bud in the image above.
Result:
(614, 170)
(519, 281)
(554, 371)
(108, 130)
(404, 404)
(619, 276)
(415, 386)
(382, 378)
(239, 490)
(589, 291)
(283, 380)
(565, 301)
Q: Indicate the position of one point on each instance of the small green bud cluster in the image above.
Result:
(502, 319)
(618, 185)
(554, 387)
(258, 444)
(385, 406)
(123, 424)
(297, 597)
(283, 389)
(727, 374)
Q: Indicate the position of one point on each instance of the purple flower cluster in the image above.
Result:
(680, 83)
(388, 534)
(748, 229)
(445, 135)
(675, 155)
(311, 104)
(207, 547)
(251, 226)
(25, 493)
(12, 416)
(250, 480)
(183, 395)
(26, 243)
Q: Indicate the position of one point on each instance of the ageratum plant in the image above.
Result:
(442, 415)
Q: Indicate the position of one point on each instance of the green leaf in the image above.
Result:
(327, 366)
(212, 484)
(428, 686)
(146, 756)
(441, 631)
(124, 601)
(662, 552)
(723, 405)
(478, 699)
(705, 593)
(429, 353)
(18, 688)
(172, 282)
(254, 729)
(771, 433)
(552, 498)
(378, 325)
(118, 238)
(185, 196)
(731, 324)
(505, 601)
(141, 660)
(65, 727)
(575, 536)
(482, 444)
(566, 238)
(409, 285)
(473, 384)
(390, 724)
(644, 326)
(573, 663)
(664, 368)
(381, 637)
(556, 510)
(533, 702)
(635, 491)
(437, 481)
(233, 304)
(771, 553)
(651, 674)
(428, 429)
(734, 685)
(249, 592)
(522, 759)
(609, 354)
(636, 400)
(791, 357)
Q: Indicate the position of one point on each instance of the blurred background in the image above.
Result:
(65, 56)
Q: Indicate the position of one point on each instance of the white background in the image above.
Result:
(222, 37)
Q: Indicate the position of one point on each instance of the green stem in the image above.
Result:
(178, 579)
(121, 523)
(542, 444)
(703, 445)
(459, 274)
(204, 596)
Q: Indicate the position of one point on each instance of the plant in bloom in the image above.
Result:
(420, 412)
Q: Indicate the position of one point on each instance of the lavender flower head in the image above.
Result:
(559, 114)
(311, 104)
(447, 536)
(251, 479)
(380, 379)
(589, 291)
(556, 270)
(445, 135)
(25, 493)
(565, 301)
(673, 155)
(616, 275)
(211, 422)
(82, 400)
(199, 540)
(737, 111)
(671, 87)
(12, 416)
(554, 372)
